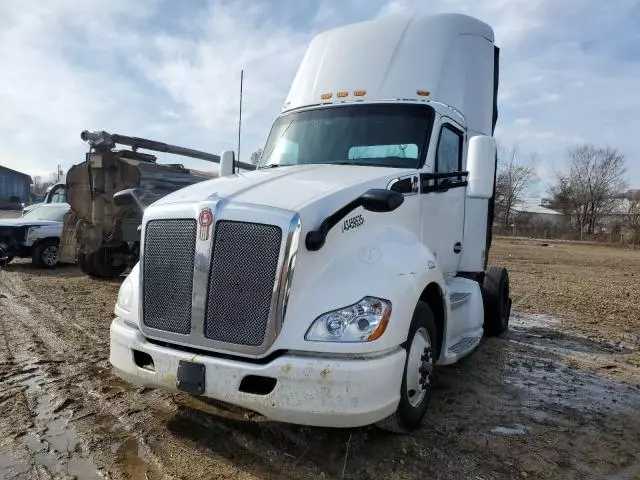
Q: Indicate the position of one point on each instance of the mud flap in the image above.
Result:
(191, 377)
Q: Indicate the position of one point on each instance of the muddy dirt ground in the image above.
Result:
(557, 396)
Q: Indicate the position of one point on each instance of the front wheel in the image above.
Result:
(422, 353)
(46, 254)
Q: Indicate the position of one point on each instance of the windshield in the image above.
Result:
(384, 135)
(47, 213)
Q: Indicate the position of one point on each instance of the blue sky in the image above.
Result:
(169, 70)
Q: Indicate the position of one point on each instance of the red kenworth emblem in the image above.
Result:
(205, 219)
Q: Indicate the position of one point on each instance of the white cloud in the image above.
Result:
(47, 98)
(170, 71)
(396, 7)
(201, 74)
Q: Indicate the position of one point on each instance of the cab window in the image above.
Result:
(449, 153)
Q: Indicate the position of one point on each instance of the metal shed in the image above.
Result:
(15, 187)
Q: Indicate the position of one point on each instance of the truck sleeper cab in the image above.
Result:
(324, 287)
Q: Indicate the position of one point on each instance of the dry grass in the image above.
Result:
(594, 289)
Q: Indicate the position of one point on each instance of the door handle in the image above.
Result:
(457, 247)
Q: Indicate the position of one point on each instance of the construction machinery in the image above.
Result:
(102, 237)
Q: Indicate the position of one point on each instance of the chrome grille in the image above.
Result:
(169, 248)
(241, 281)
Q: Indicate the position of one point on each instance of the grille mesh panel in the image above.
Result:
(243, 272)
(169, 248)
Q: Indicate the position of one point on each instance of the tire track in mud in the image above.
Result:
(38, 440)
(79, 381)
(161, 429)
(473, 428)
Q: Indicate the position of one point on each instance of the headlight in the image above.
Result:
(127, 305)
(125, 295)
(364, 321)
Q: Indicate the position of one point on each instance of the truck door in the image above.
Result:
(444, 202)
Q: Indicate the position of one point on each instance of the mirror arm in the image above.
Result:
(374, 200)
(316, 238)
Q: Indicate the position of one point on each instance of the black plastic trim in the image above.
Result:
(257, 385)
(491, 206)
(429, 182)
(207, 353)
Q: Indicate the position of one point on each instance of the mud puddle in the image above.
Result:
(548, 333)
(74, 421)
(548, 372)
(51, 446)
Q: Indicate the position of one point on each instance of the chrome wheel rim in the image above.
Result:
(50, 255)
(419, 367)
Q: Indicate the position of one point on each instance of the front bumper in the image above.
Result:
(310, 390)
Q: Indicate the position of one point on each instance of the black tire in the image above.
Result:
(46, 254)
(497, 302)
(83, 263)
(408, 417)
(98, 264)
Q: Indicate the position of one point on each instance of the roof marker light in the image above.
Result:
(326, 96)
(360, 93)
(423, 93)
(342, 94)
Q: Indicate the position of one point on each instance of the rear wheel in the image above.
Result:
(497, 303)
(46, 254)
(101, 263)
(422, 353)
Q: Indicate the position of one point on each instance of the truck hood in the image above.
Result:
(291, 187)
(22, 222)
(28, 208)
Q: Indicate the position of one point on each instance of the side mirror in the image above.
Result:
(481, 165)
(374, 200)
(128, 197)
(227, 163)
(381, 200)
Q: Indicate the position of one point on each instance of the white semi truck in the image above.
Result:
(324, 287)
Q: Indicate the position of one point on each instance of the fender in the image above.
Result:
(41, 233)
(389, 262)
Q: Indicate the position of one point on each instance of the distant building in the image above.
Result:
(530, 211)
(15, 187)
(536, 210)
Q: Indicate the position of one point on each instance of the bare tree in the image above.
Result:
(592, 187)
(255, 156)
(514, 176)
(37, 184)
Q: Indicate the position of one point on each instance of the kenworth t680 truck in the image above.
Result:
(324, 287)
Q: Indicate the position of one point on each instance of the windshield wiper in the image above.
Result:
(362, 164)
(276, 165)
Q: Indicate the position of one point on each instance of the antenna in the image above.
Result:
(239, 117)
